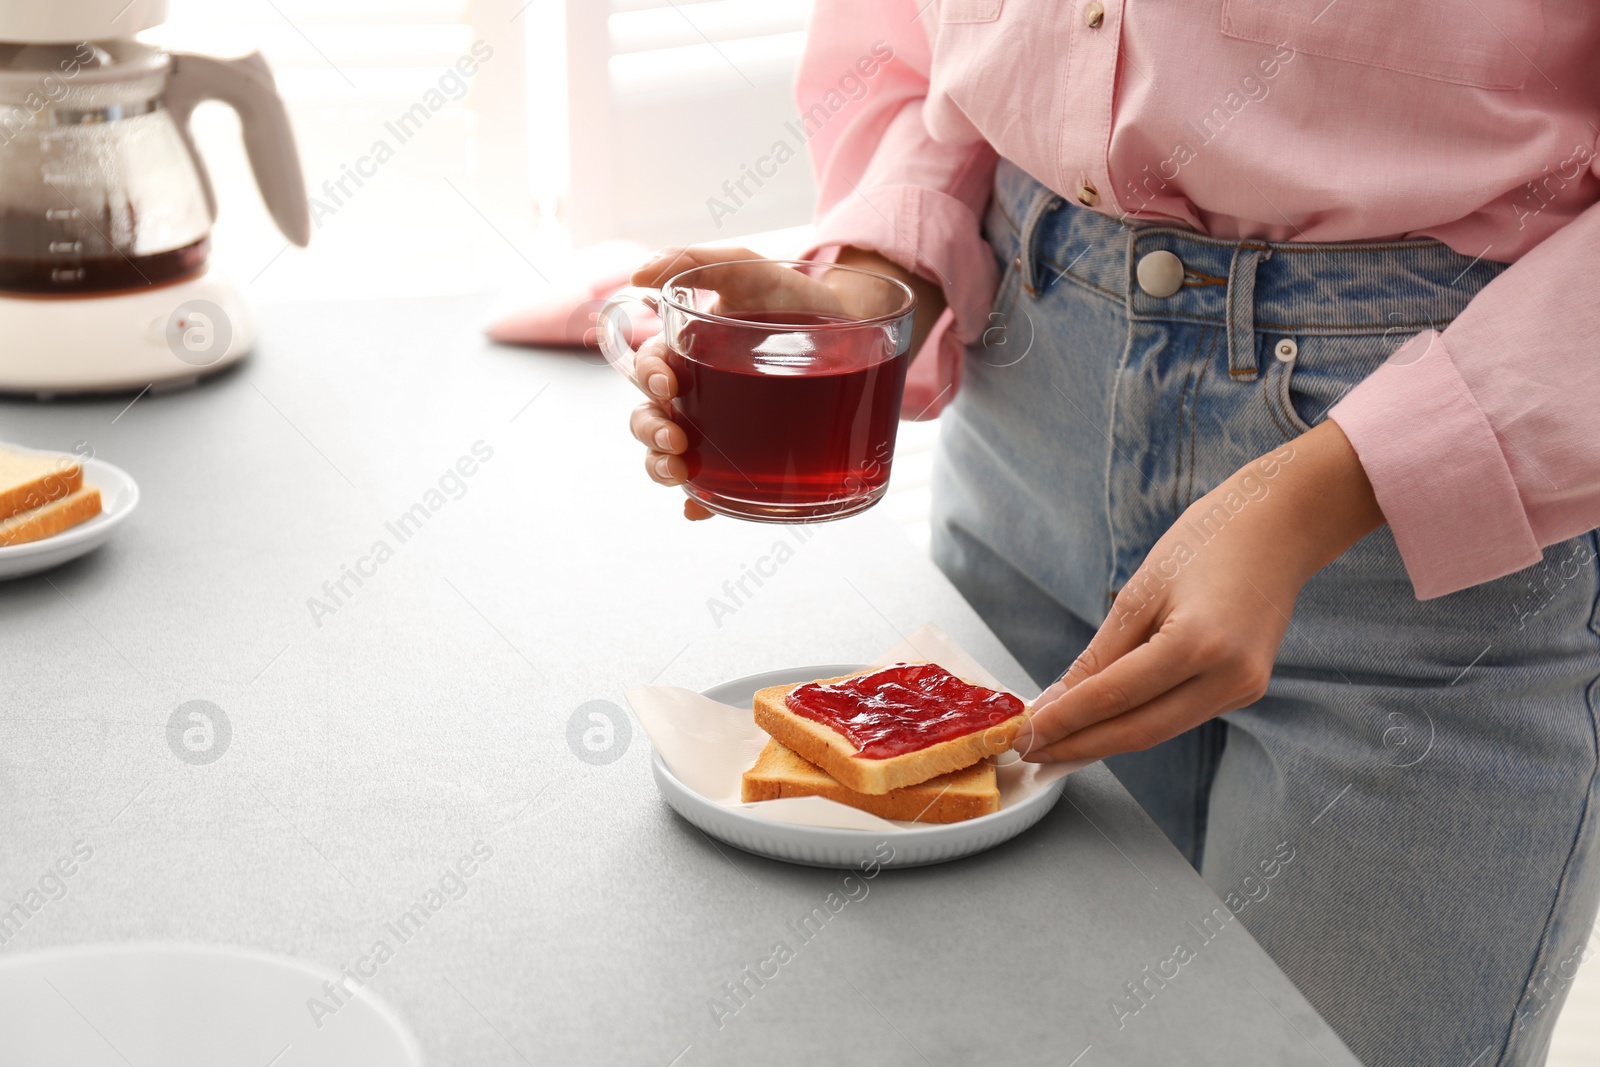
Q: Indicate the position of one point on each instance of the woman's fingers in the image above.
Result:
(651, 372)
(674, 260)
(1160, 665)
(1122, 632)
(1130, 622)
(1168, 715)
(665, 469)
(652, 428)
(1057, 687)
(742, 280)
(651, 422)
(665, 441)
(739, 276)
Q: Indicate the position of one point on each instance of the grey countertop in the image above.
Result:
(380, 736)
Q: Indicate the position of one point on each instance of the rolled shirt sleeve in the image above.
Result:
(1483, 443)
(884, 183)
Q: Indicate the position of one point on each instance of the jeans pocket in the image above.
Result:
(1004, 341)
(1000, 231)
(1305, 376)
(1462, 41)
(1005, 295)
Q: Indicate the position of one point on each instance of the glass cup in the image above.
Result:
(789, 374)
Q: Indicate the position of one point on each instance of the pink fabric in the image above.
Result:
(570, 318)
(567, 316)
(1471, 121)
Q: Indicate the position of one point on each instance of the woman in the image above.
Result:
(1268, 311)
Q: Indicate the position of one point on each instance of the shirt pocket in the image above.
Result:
(969, 10)
(1490, 44)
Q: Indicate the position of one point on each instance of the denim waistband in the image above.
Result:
(1352, 287)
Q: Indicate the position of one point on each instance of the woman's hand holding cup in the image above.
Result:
(651, 422)
(746, 283)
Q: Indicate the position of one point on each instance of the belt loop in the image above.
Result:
(1241, 311)
(1043, 203)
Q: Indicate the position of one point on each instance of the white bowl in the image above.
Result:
(815, 846)
(119, 495)
(188, 1006)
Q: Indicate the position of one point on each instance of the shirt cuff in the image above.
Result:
(937, 237)
(1438, 471)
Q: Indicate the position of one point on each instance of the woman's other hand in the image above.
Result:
(1196, 630)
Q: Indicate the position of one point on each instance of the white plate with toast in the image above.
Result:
(119, 495)
(891, 844)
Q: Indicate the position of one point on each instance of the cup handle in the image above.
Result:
(613, 341)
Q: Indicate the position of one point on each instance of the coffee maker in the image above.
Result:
(106, 207)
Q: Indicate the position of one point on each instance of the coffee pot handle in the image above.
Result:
(246, 85)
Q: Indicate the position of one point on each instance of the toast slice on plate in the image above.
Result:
(954, 797)
(837, 754)
(49, 519)
(32, 479)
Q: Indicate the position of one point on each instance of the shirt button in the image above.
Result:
(1088, 195)
(1160, 273)
(1094, 14)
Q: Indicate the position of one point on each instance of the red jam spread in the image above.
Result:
(902, 708)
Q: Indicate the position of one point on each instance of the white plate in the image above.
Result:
(815, 846)
(187, 1006)
(118, 497)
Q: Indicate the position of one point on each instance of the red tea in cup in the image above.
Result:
(790, 411)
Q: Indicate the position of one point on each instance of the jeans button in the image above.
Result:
(1160, 273)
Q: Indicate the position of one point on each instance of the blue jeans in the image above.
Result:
(1429, 767)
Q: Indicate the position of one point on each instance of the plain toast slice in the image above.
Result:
(32, 479)
(836, 753)
(954, 797)
(51, 518)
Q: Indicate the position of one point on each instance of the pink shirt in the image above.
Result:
(1472, 121)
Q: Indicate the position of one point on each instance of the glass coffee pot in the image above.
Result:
(101, 188)
(106, 208)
